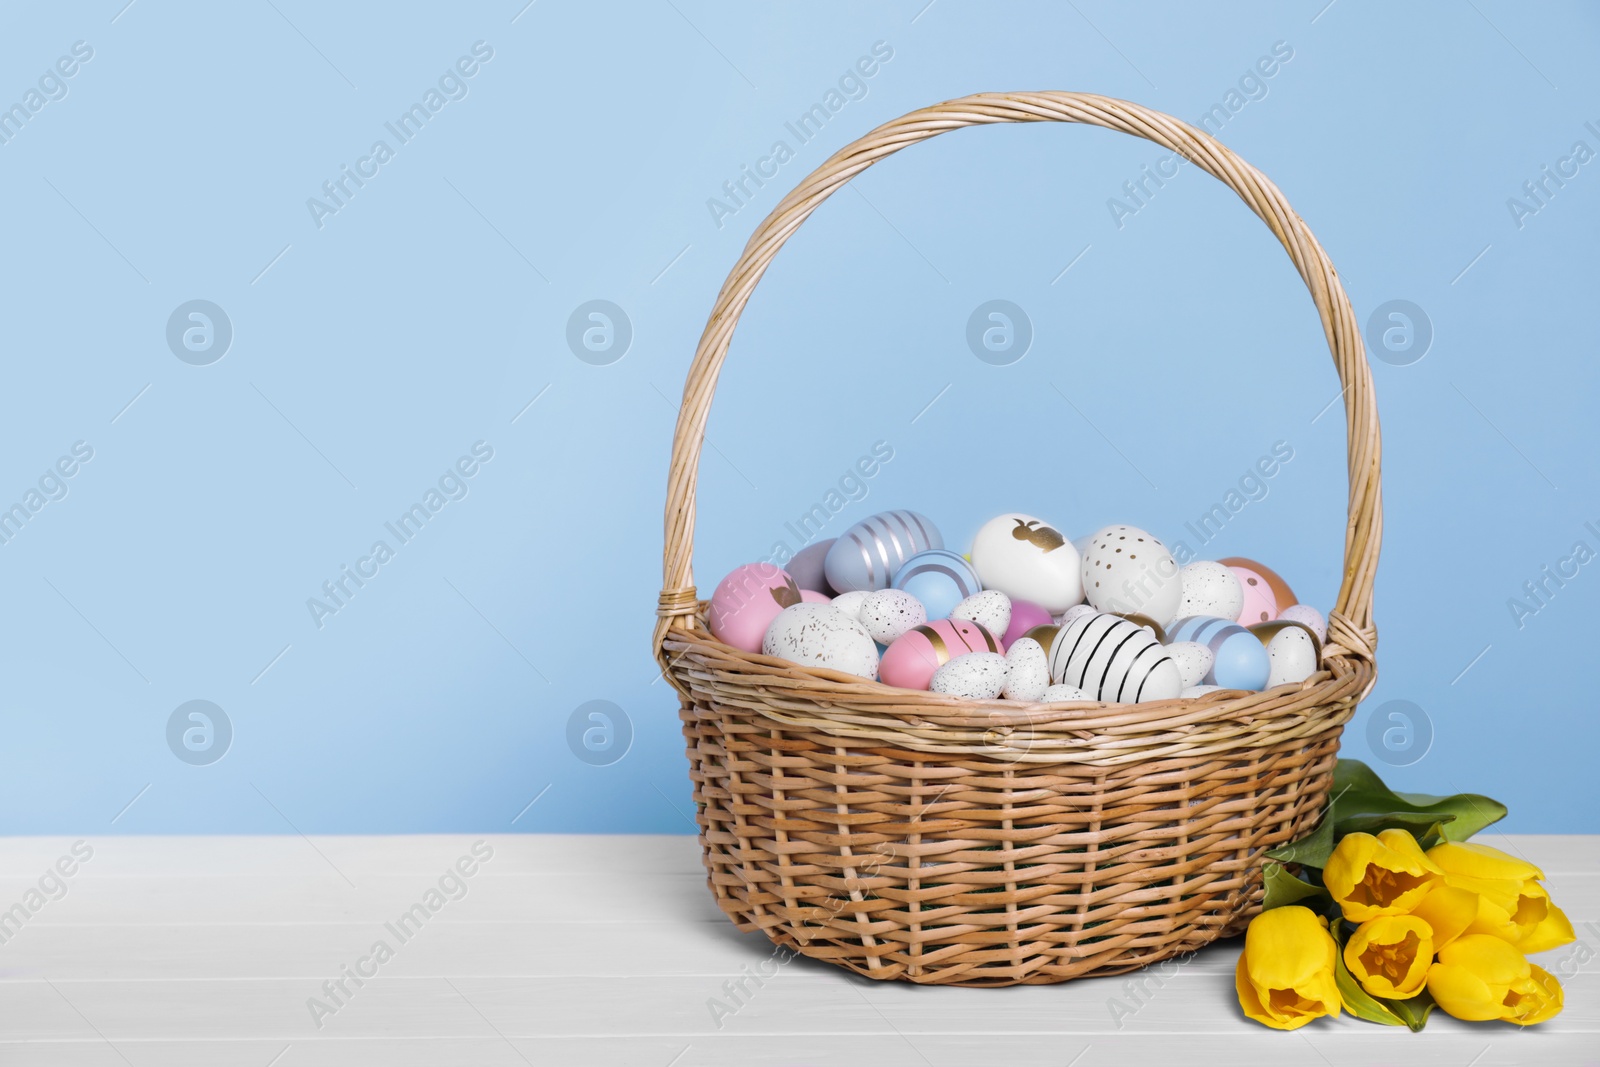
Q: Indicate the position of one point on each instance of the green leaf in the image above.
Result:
(1284, 888)
(1358, 1001)
(1414, 1012)
(1420, 823)
(1360, 802)
(1359, 794)
(1311, 851)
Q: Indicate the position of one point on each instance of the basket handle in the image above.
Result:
(1351, 634)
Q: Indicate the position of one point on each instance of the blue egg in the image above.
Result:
(939, 578)
(1241, 659)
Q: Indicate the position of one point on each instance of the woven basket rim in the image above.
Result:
(1002, 731)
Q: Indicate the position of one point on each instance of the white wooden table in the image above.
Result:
(594, 950)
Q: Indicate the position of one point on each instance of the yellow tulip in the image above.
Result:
(1449, 911)
(1480, 976)
(1285, 976)
(1534, 999)
(1472, 860)
(1390, 955)
(1512, 905)
(1384, 875)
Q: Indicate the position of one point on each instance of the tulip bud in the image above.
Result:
(1480, 976)
(1285, 976)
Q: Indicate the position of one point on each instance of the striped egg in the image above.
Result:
(913, 657)
(867, 555)
(1113, 660)
(1241, 661)
(939, 578)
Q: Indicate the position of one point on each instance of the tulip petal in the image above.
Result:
(1448, 911)
(1463, 994)
(1480, 861)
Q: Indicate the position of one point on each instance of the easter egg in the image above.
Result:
(1025, 615)
(1306, 616)
(939, 578)
(850, 603)
(746, 601)
(976, 676)
(913, 657)
(990, 609)
(1026, 557)
(805, 567)
(1209, 588)
(888, 613)
(811, 596)
(1027, 670)
(820, 635)
(1066, 618)
(1260, 602)
(1194, 661)
(1114, 659)
(867, 555)
(1282, 595)
(1240, 660)
(1147, 622)
(1056, 693)
(1294, 651)
(1045, 635)
(1129, 571)
(1192, 691)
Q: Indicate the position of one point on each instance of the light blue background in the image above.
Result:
(427, 313)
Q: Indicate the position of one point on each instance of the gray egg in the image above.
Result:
(806, 567)
(867, 555)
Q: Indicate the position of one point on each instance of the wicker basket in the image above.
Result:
(909, 835)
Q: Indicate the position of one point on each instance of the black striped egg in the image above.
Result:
(1113, 660)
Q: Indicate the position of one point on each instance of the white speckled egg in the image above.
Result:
(1306, 616)
(1194, 661)
(1210, 589)
(990, 609)
(976, 676)
(1128, 571)
(1027, 557)
(1027, 670)
(1199, 690)
(1073, 613)
(1292, 648)
(1056, 693)
(888, 613)
(820, 635)
(850, 603)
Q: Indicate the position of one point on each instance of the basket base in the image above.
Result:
(958, 870)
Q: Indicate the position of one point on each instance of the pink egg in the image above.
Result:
(1260, 602)
(747, 601)
(913, 657)
(1025, 615)
(811, 596)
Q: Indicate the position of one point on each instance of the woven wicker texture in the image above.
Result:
(910, 835)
